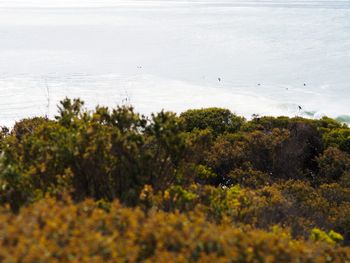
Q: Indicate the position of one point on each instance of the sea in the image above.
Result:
(254, 57)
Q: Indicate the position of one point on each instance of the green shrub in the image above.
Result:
(216, 119)
(101, 154)
(333, 163)
(330, 238)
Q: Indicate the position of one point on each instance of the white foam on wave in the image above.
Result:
(147, 93)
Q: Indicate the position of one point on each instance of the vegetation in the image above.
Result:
(207, 185)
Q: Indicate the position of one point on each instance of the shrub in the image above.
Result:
(339, 138)
(65, 232)
(330, 238)
(249, 178)
(217, 120)
(333, 163)
(101, 154)
(206, 186)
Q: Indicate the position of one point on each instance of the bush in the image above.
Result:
(101, 154)
(330, 238)
(280, 153)
(217, 120)
(205, 186)
(249, 178)
(333, 163)
(339, 138)
(65, 232)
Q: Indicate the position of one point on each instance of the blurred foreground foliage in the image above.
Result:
(61, 231)
(207, 185)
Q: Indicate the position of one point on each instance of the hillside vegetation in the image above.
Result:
(111, 185)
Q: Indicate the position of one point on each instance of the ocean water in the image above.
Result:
(264, 57)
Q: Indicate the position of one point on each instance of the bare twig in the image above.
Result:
(48, 99)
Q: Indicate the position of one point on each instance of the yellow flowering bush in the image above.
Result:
(61, 231)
